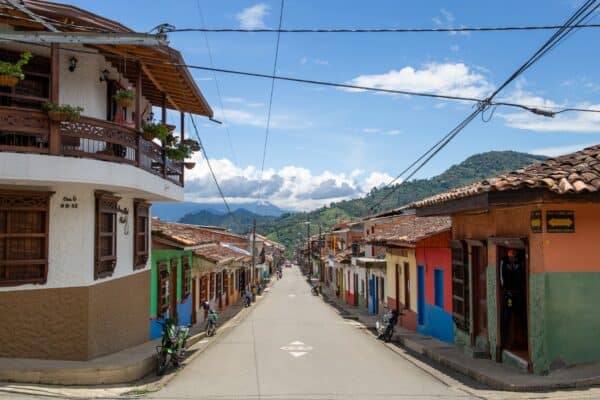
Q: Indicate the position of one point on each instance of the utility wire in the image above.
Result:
(217, 86)
(552, 42)
(541, 110)
(382, 30)
(212, 172)
(264, 155)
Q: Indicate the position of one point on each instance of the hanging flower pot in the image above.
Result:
(125, 98)
(58, 116)
(147, 135)
(192, 144)
(189, 164)
(8, 81)
(12, 73)
(62, 112)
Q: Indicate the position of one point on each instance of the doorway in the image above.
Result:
(480, 312)
(397, 283)
(355, 289)
(406, 285)
(421, 295)
(513, 299)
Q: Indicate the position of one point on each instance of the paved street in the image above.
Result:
(293, 345)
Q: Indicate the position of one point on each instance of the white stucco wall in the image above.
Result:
(71, 240)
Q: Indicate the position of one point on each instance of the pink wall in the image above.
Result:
(433, 258)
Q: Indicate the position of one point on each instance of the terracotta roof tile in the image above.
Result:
(412, 229)
(180, 233)
(221, 254)
(576, 173)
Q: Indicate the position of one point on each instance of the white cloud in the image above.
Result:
(455, 79)
(253, 17)
(290, 187)
(371, 130)
(567, 122)
(234, 116)
(393, 132)
(318, 61)
(559, 150)
(446, 20)
(242, 101)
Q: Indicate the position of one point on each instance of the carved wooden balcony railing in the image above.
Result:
(30, 131)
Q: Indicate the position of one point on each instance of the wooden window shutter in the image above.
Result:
(141, 234)
(162, 292)
(24, 221)
(105, 259)
(460, 285)
(187, 276)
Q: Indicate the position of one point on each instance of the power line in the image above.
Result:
(264, 156)
(382, 30)
(212, 172)
(552, 42)
(217, 86)
(532, 108)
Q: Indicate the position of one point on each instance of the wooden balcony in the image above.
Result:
(26, 130)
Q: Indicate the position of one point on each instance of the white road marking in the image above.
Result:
(296, 349)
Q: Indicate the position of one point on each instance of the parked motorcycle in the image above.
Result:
(172, 348)
(211, 323)
(314, 290)
(385, 326)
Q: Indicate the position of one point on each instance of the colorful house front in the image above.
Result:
(525, 264)
(170, 290)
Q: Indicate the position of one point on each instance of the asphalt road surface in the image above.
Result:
(292, 345)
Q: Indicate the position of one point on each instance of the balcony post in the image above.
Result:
(164, 122)
(138, 111)
(54, 139)
(182, 115)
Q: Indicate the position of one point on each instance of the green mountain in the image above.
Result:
(291, 229)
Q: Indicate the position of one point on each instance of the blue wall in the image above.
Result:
(438, 323)
(184, 311)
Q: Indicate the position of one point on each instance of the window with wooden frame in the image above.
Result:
(162, 285)
(141, 234)
(32, 91)
(187, 277)
(460, 285)
(106, 235)
(23, 237)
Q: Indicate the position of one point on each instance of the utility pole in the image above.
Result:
(308, 247)
(321, 268)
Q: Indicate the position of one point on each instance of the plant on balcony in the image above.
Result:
(125, 97)
(179, 152)
(155, 131)
(189, 164)
(194, 145)
(12, 73)
(62, 112)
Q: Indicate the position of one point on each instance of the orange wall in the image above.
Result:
(548, 252)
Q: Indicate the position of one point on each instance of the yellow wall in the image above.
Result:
(399, 256)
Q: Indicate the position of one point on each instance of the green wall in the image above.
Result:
(492, 309)
(565, 322)
(166, 255)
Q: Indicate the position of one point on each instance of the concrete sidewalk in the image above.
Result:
(495, 375)
(125, 366)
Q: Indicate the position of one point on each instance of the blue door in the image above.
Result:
(372, 296)
(421, 295)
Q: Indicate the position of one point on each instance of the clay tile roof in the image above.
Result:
(180, 233)
(576, 173)
(410, 230)
(343, 256)
(220, 254)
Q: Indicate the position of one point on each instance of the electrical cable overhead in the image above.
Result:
(382, 30)
(540, 110)
(212, 172)
(580, 14)
(217, 86)
(270, 107)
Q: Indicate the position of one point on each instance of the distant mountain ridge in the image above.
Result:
(173, 212)
(290, 228)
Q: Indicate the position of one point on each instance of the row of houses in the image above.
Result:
(504, 268)
(83, 266)
(196, 265)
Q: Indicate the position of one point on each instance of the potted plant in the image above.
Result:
(189, 164)
(125, 97)
(155, 131)
(62, 112)
(179, 152)
(12, 73)
(192, 143)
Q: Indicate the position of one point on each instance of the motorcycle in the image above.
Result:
(385, 326)
(211, 323)
(314, 290)
(172, 348)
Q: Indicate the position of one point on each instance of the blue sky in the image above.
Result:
(326, 144)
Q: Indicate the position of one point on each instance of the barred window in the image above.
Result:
(23, 237)
(187, 277)
(460, 285)
(106, 235)
(141, 234)
(163, 288)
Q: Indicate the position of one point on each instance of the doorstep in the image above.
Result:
(495, 375)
